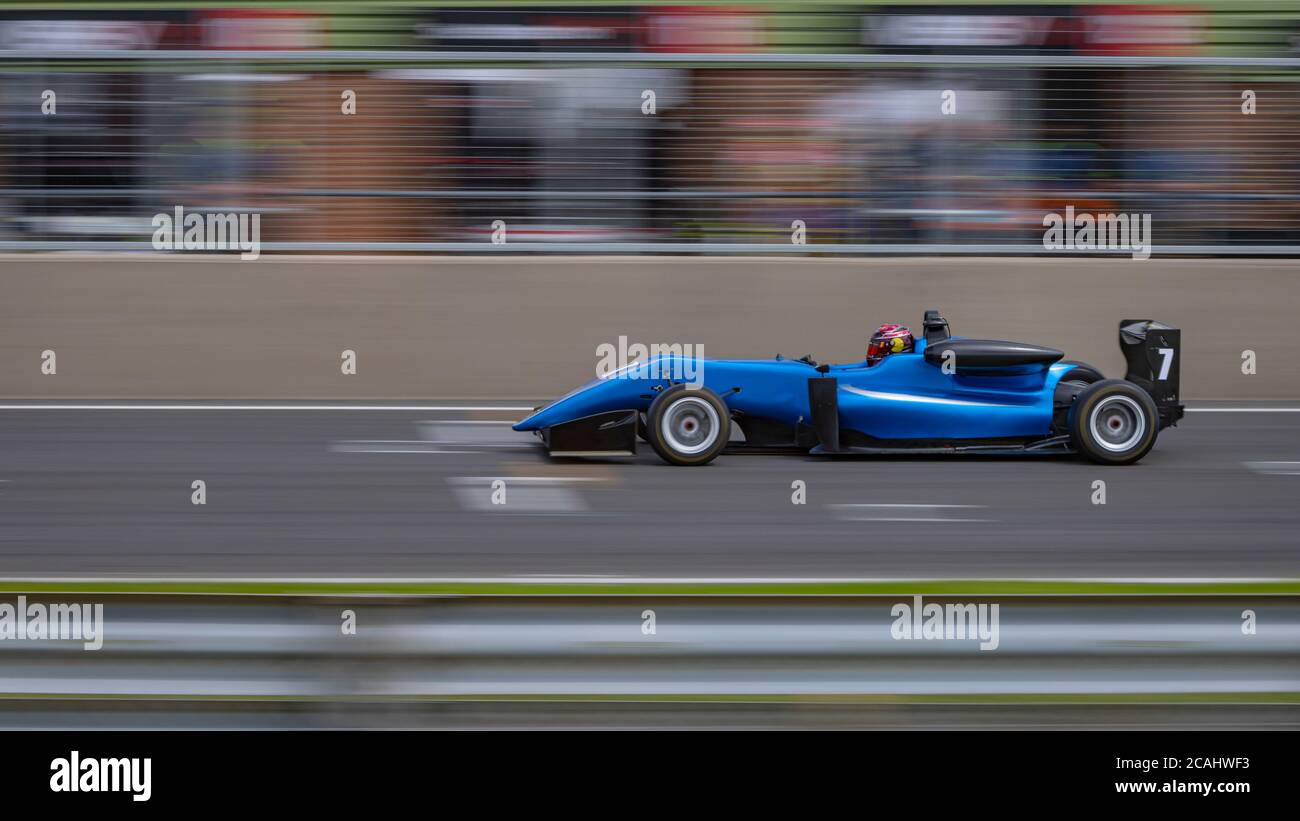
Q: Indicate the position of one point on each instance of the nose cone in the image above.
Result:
(565, 409)
(530, 422)
(558, 412)
(617, 391)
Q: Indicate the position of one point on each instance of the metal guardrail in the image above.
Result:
(295, 648)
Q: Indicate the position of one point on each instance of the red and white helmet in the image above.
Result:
(889, 339)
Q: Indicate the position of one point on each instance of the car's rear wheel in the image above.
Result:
(688, 426)
(1114, 422)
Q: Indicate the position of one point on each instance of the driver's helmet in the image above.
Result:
(888, 339)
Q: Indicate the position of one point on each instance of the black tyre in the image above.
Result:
(688, 426)
(1081, 372)
(641, 428)
(1114, 422)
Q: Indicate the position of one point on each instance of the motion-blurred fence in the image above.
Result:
(936, 131)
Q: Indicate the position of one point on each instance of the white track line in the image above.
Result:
(182, 407)
(1243, 410)
(381, 449)
(523, 480)
(394, 446)
(549, 578)
(910, 505)
(425, 446)
(848, 512)
(908, 519)
(178, 406)
(1275, 468)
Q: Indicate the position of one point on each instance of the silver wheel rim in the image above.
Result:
(689, 426)
(1117, 424)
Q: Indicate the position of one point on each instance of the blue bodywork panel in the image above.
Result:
(904, 397)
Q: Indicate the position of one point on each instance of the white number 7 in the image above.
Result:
(1167, 360)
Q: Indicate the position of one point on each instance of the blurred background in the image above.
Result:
(763, 113)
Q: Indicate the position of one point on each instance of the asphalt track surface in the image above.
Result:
(408, 493)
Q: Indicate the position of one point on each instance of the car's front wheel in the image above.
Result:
(1114, 422)
(688, 426)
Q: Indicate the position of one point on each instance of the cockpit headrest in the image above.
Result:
(936, 327)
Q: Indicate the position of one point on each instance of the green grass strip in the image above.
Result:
(933, 587)
(686, 698)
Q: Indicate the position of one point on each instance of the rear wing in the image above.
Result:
(1153, 353)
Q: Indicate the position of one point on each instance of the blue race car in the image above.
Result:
(936, 394)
